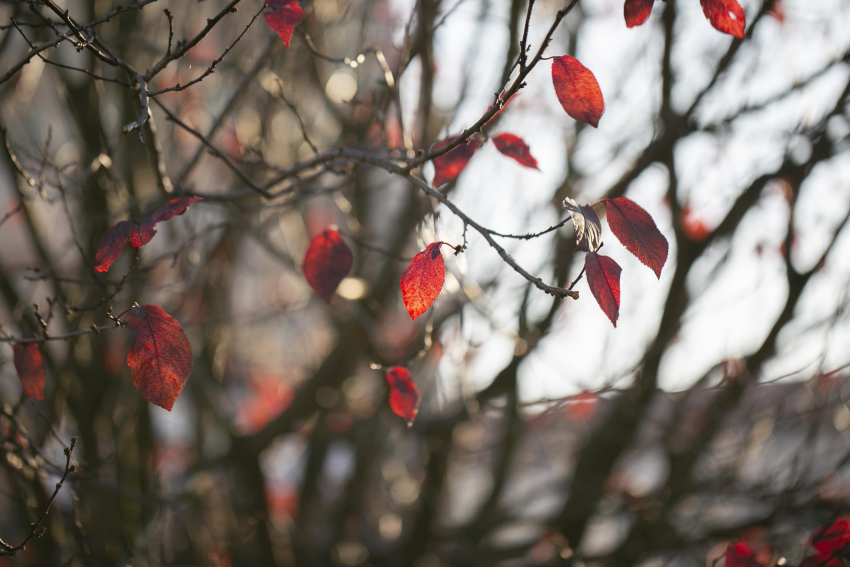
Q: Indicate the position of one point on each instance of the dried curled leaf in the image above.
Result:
(423, 280)
(726, 16)
(587, 226)
(637, 231)
(516, 148)
(637, 12)
(30, 369)
(603, 278)
(283, 17)
(577, 90)
(160, 357)
(111, 244)
(327, 261)
(404, 395)
(449, 166)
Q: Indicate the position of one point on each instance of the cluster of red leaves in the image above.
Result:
(725, 15)
(404, 395)
(829, 543)
(283, 16)
(30, 369)
(112, 242)
(634, 228)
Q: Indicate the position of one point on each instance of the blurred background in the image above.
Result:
(714, 413)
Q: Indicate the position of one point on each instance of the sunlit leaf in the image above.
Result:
(636, 12)
(404, 395)
(586, 225)
(423, 280)
(282, 17)
(726, 16)
(577, 90)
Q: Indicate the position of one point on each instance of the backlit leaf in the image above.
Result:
(636, 12)
(637, 231)
(327, 261)
(603, 278)
(144, 232)
(586, 224)
(577, 90)
(726, 16)
(740, 555)
(423, 280)
(160, 357)
(283, 17)
(516, 148)
(30, 369)
(404, 395)
(449, 166)
(111, 244)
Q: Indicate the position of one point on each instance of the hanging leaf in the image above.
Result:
(404, 395)
(637, 231)
(283, 18)
(160, 357)
(516, 148)
(726, 16)
(740, 555)
(111, 244)
(577, 90)
(449, 166)
(603, 278)
(423, 280)
(586, 224)
(327, 261)
(30, 369)
(144, 232)
(636, 12)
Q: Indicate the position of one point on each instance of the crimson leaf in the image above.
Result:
(30, 369)
(516, 148)
(142, 234)
(327, 261)
(586, 224)
(726, 16)
(603, 278)
(830, 541)
(449, 166)
(111, 244)
(637, 231)
(160, 357)
(283, 17)
(740, 555)
(423, 280)
(404, 395)
(577, 90)
(636, 12)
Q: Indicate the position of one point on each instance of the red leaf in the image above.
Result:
(404, 395)
(577, 90)
(586, 225)
(637, 231)
(582, 407)
(30, 369)
(603, 277)
(111, 244)
(283, 18)
(726, 16)
(160, 357)
(516, 148)
(832, 540)
(449, 166)
(143, 233)
(423, 280)
(740, 555)
(637, 12)
(327, 261)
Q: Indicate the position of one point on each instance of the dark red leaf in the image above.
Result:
(740, 555)
(586, 225)
(726, 16)
(603, 278)
(832, 540)
(111, 244)
(327, 261)
(637, 12)
(577, 90)
(448, 166)
(283, 18)
(637, 231)
(404, 395)
(30, 369)
(160, 357)
(423, 280)
(144, 232)
(516, 148)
